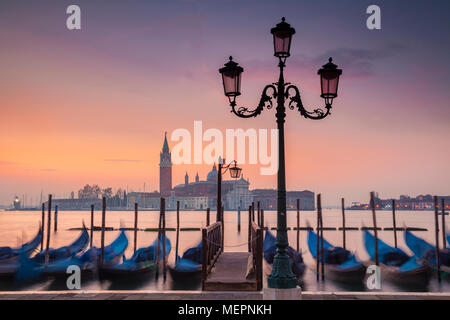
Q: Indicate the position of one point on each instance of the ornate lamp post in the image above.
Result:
(281, 276)
(235, 173)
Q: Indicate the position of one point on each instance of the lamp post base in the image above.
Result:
(282, 294)
(282, 276)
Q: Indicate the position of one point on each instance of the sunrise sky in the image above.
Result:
(91, 106)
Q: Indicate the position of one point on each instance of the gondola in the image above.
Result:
(10, 257)
(395, 265)
(295, 257)
(89, 260)
(426, 253)
(143, 261)
(339, 264)
(64, 252)
(26, 269)
(189, 266)
(8, 254)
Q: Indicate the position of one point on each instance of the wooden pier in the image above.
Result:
(232, 271)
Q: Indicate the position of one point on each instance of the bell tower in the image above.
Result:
(165, 169)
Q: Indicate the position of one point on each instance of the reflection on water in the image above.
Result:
(19, 226)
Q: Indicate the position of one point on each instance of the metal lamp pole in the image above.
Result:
(282, 276)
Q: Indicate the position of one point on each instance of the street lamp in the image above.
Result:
(235, 173)
(281, 276)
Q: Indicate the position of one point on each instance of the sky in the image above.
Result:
(92, 105)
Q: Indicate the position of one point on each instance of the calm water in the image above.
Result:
(19, 226)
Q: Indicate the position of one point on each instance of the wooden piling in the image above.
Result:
(394, 222)
(178, 228)
(436, 231)
(135, 225)
(344, 245)
(208, 221)
(298, 225)
(249, 228)
(56, 219)
(262, 219)
(253, 211)
(317, 242)
(164, 239)
(322, 255)
(102, 257)
(375, 230)
(444, 241)
(158, 246)
(43, 226)
(92, 225)
(239, 219)
(259, 213)
(49, 222)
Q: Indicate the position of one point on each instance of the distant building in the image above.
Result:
(16, 203)
(165, 170)
(421, 202)
(75, 204)
(268, 199)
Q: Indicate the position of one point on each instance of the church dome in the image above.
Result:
(212, 175)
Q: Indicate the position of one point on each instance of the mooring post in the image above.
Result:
(344, 244)
(223, 227)
(436, 231)
(444, 242)
(208, 222)
(92, 225)
(298, 225)
(135, 224)
(317, 240)
(103, 231)
(178, 229)
(375, 229)
(322, 255)
(56, 219)
(164, 240)
(158, 246)
(262, 220)
(259, 213)
(249, 228)
(394, 222)
(49, 222)
(43, 226)
(253, 211)
(239, 219)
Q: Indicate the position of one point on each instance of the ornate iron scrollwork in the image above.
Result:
(296, 100)
(265, 101)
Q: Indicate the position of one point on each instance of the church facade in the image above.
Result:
(202, 194)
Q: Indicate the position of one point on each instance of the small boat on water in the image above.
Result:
(143, 261)
(64, 252)
(339, 264)
(189, 266)
(426, 253)
(8, 254)
(395, 265)
(89, 260)
(295, 257)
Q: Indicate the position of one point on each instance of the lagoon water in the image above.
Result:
(18, 226)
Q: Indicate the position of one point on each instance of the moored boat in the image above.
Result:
(295, 257)
(143, 261)
(64, 252)
(189, 266)
(339, 264)
(89, 260)
(395, 265)
(426, 252)
(8, 254)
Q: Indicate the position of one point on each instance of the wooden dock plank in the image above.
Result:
(229, 274)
